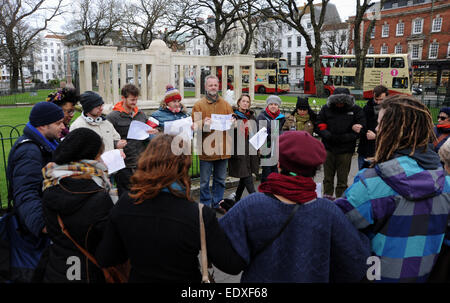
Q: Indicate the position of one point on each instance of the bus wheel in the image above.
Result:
(262, 90)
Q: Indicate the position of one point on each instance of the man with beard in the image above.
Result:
(366, 146)
(340, 121)
(216, 145)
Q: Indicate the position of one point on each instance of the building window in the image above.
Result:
(45, 50)
(415, 51)
(400, 29)
(53, 59)
(289, 41)
(398, 49)
(198, 52)
(434, 47)
(46, 66)
(280, 44)
(417, 26)
(372, 34)
(308, 25)
(299, 56)
(289, 58)
(385, 31)
(384, 49)
(45, 58)
(437, 24)
(371, 50)
(299, 41)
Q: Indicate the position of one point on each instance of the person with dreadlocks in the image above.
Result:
(403, 201)
(66, 98)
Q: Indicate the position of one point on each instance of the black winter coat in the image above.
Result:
(338, 137)
(366, 148)
(242, 163)
(84, 208)
(121, 122)
(280, 120)
(161, 238)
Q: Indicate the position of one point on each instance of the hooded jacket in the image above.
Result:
(366, 148)
(121, 121)
(84, 207)
(279, 123)
(335, 124)
(403, 205)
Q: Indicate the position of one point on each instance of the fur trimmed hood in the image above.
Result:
(348, 100)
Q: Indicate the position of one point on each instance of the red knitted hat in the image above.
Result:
(171, 94)
(300, 152)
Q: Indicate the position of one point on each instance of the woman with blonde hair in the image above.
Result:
(156, 225)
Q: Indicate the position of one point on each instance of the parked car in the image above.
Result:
(189, 83)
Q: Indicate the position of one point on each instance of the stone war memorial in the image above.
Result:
(151, 70)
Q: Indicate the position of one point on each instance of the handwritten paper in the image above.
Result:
(180, 127)
(138, 130)
(221, 122)
(113, 160)
(259, 138)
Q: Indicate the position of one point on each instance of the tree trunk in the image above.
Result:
(318, 76)
(21, 77)
(14, 83)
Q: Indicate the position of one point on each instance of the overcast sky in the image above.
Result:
(346, 8)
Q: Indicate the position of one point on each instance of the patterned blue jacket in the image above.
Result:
(403, 206)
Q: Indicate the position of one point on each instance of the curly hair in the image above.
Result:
(62, 96)
(406, 123)
(158, 167)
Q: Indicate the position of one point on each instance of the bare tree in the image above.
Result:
(248, 12)
(143, 20)
(222, 17)
(16, 16)
(361, 44)
(288, 12)
(267, 39)
(96, 20)
(335, 40)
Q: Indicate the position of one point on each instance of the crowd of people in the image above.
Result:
(397, 209)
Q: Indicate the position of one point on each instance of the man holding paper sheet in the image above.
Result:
(124, 112)
(215, 145)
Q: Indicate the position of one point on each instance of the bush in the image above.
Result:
(53, 82)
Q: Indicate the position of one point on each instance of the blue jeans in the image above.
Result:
(218, 169)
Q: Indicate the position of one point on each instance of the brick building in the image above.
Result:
(420, 28)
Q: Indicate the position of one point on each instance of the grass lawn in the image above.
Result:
(28, 97)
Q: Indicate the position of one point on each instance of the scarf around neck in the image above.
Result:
(54, 173)
(53, 144)
(295, 188)
(212, 98)
(272, 115)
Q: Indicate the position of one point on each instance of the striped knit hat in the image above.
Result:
(171, 94)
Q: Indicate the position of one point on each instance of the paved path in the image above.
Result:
(222, 277)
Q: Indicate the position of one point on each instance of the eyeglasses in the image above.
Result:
(442, 118)
(69, 112)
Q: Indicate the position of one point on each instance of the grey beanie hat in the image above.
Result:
(273, 99)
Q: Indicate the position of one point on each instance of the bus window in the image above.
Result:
(337, 80)
(368, 62)
(382, 62)
(399, 82)
(397, 62)
(327, 80)
(272, 64)
(261, 64)
(271, 79)
(350, 62)
(245, 78)
(283, 79)
(348, 81)
(283, 63)
(339, 62)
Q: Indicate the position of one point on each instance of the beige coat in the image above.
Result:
(104, 129)
(210, 138)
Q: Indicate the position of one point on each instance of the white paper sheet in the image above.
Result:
(113, 160)
(138, 130)
(221, 122)
(319, 190)
(259, 138)
(180, 127)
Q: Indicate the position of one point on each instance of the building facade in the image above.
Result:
(420, 28)
(49, 61)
